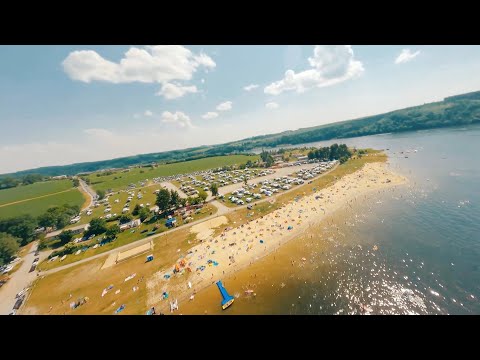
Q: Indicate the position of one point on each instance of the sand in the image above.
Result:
(205, 229)
(238, 247)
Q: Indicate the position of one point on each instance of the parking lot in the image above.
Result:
(281, 180)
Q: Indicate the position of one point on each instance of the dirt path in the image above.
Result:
(37, 197)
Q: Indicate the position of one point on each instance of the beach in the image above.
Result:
(215, 257)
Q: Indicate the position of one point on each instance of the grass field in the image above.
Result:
(36, 207)
(123, 179)
(124, 238)
(30, 191)
(89, 280)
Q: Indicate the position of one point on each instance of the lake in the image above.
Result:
(412, 250)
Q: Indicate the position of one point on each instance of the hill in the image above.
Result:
(456, 110)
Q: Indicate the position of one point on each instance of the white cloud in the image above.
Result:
(271, 105)
(227, 105)
(148, 113)
(136, 116)
(98, 132)
(202, 81)
(405, 56)
(210, 115)
(173, 91)
(250, 87)
(331, 64)
(149, 64)
(178, 118)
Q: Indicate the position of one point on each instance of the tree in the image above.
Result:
(58, 216)
(245, 180)
(143, 214)
(125, 218)
(214, 189)
(8, 182)
(112, 231)
(31, 179)
(136, 209)
(163, 200)
(97, 226)
(22, 227)
(202, 195)
(76, 183)
(249, 163)
(183, 201)
(270, 161)
(174, 198)
(101, 194)
(8, 247)
(66, 236)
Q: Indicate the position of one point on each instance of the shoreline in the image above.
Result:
(258, 238)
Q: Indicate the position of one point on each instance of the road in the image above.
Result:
(93, 195)
(19, 280)
(222, 210)
(55, 233)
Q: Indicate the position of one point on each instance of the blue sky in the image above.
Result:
(66, 104)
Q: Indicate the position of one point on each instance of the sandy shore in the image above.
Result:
(215, 257)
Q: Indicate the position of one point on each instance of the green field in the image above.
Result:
(30, 191)
(148, 197)
(138, 174)
(36, 207)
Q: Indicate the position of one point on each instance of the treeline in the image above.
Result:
(332, 152)
(21, 229)
(452, 111)
(10, 182)
(456, 111)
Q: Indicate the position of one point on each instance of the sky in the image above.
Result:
(68, 104)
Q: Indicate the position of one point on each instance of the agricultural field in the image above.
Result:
(25, 192)
(120, 180)
(39, 205)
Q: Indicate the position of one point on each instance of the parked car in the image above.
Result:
(37, 253)
(7, 269)
(21, 293)
(33, 267)
(18, 303)
(36, 259)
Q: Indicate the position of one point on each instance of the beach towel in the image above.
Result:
(130, 277)
(120, 309)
